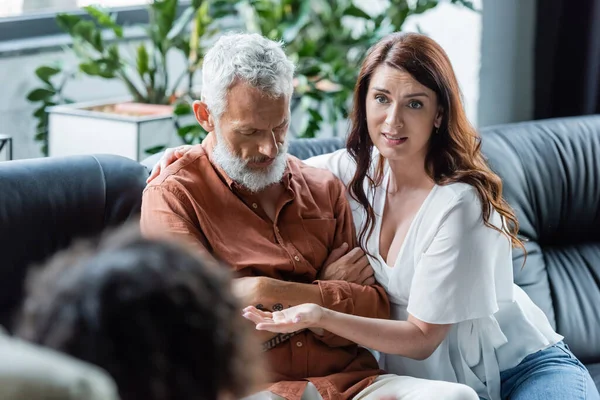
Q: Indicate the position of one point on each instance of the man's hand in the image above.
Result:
(352, 266)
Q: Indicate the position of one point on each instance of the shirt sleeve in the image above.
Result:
(346, 297)
(165, 215)
(454, 280)
(339, 163)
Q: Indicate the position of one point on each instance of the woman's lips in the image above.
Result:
(394, 140)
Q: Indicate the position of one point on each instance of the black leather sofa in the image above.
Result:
(551, 173)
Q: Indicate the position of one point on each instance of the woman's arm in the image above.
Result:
(412, 338)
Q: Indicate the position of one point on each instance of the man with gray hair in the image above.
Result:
(280, 224)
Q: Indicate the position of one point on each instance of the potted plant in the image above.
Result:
(151, 117)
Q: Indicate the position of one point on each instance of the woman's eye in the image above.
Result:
(380, 99)
(415, 104)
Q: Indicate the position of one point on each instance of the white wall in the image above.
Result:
(507, 61)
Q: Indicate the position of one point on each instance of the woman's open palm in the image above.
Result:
(293, 319)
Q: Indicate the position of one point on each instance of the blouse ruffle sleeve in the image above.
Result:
(454, 278)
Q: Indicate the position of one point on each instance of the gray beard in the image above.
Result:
(237, 169)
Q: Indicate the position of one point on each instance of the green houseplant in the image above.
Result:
(144, 71)
(321, 37)
(328, 40)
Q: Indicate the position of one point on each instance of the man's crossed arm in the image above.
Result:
(345, 283)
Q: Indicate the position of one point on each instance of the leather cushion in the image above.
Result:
(551, 175)
(45, 203)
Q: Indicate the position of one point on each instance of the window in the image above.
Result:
(12, 8)
(29, 19)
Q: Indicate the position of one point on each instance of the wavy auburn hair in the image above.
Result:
(454, 153)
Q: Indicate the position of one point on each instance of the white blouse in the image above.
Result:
(452, 269)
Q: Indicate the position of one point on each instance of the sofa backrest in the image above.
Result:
(45, 203)
(551, 175)
(301, 148)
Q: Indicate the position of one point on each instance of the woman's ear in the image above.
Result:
(438, 117)
(203, 116)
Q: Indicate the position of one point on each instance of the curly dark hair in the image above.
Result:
(161, 321)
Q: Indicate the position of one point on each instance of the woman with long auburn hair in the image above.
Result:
(430, 215)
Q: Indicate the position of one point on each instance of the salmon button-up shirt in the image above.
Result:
(194, 201)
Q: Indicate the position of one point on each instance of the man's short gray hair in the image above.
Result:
(250, 58)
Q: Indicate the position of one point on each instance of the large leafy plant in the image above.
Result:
(327, 39)
(143, 70)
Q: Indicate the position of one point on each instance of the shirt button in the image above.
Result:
(297, 259)
(299, 344)
(254, 205)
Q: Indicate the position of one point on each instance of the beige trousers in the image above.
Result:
(388, 387)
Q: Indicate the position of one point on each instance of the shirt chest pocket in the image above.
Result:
(320, 235)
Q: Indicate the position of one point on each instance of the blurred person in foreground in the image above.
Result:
(160, 320)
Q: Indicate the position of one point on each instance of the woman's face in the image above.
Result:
(402, 114)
